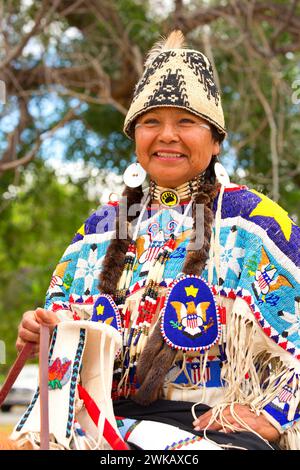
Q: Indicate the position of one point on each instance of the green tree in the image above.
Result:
(34, 232)
(87, 56)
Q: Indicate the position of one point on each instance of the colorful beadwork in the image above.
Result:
(37, 393)
(184, 442)
(75, 372)
(190, 318)
(259, 262)
(59, 373)
(106, 311)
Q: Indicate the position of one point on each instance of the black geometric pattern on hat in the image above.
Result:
(157, 63)
(203, 72)
(170, 90)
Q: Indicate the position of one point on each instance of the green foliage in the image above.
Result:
(35, 229)
(104, 125)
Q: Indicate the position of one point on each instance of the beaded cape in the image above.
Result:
(260, 256)
(259, 263)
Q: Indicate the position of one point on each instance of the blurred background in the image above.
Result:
(69, 68)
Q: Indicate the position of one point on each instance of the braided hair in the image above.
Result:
(157, 357)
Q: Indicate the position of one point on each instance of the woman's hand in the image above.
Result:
(259, 423)
(29, 328)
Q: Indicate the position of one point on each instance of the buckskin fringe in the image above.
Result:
(290, 439)
(253, 376)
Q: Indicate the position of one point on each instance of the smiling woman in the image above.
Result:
(196, 279)
(173, 145)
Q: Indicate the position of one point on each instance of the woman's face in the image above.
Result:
(173, 145)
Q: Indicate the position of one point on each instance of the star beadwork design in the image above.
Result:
(268, 208)
(81, 230)
(230, 254)
(191, 291)
(100, 309)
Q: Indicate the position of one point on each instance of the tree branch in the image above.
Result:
(17, 50)
(14, 137)
(21, 161)
(13, 165)
(273, 136)
(271, 12)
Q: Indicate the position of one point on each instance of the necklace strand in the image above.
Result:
(135, 336)
(171, 197)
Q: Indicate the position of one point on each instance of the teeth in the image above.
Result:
(164, 154)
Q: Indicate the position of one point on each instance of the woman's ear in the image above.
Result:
(216, 148)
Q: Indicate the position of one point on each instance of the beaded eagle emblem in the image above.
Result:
(190, 317)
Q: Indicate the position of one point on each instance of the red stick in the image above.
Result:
(15, 370)
(109, 432)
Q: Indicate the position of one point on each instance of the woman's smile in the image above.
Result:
(168, 155)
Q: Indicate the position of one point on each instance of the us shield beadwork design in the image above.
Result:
(106, 311)
(190, 317)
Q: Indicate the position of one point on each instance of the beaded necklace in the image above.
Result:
(135, 336)
(170, 197)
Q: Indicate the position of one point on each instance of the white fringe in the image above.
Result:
(290, 439)
(268, 369)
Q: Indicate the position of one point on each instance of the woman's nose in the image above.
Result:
(168, 133)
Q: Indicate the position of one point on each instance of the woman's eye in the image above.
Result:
(151, 122)
(186, 121)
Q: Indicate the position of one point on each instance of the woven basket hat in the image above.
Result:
(177, 77)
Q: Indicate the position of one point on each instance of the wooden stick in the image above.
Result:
(43, 380)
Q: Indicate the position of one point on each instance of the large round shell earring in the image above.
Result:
(221, 174)
(134, 175)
